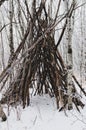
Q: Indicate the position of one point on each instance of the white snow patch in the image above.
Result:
(43, 115)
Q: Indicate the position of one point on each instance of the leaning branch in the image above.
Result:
(79, 85)
(5, 72)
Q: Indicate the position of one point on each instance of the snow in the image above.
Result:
(42, 114)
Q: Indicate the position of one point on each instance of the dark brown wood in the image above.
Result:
(79, 85)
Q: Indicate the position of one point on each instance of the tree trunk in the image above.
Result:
(70, 60)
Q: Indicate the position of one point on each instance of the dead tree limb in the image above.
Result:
(79, 85)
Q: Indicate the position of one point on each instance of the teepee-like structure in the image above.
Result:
(40, 65)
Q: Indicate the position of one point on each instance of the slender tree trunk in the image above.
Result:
(2, 51)
(83, 46)
(11, 44)
(69, 65)
(70, 60)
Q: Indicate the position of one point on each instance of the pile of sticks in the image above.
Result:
(41, 67)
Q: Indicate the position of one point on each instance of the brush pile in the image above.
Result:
(40, 67)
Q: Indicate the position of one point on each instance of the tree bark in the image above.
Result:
(69, 59)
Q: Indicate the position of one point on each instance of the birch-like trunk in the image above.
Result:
(83, 46)
(69, 65)
(2, 62)
(70, 59)
(11, 44)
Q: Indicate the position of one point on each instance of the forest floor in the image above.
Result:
(42, 114)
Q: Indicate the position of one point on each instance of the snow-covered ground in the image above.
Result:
(43, 115)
